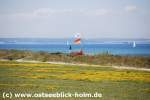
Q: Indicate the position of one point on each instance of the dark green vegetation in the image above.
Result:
(50, 78)
(101, 59)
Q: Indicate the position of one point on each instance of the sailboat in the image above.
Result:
(67, 42)
(134, 44)
(78, 41)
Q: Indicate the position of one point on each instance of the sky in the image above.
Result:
(65, 18)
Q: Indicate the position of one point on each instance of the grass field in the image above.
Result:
(41, 77)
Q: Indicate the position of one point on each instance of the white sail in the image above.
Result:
(134, 44)
(78, 35)
(67, 42)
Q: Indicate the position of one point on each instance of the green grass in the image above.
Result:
(112, 83)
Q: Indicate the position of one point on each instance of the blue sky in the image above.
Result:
(64, 18)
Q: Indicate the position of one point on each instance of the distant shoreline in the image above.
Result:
(122, 47)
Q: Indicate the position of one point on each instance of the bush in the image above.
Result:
(101, 59)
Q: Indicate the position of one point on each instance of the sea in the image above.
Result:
(135, 47)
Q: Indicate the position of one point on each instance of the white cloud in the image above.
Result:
(43, 12)
(96, 12)
(102, 12)
(131, 8)
(49, 11)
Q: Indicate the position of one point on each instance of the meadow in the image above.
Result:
(114, 84)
